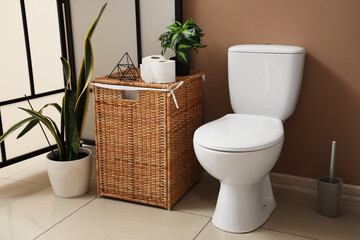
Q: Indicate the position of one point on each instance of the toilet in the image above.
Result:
(240, 149)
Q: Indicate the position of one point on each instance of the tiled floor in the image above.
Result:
(30, 210)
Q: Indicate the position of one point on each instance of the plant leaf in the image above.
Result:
(54, 125)
(185, 25)
(163, 51)
(14, 127)
(65, 122)
(183, 57)
(47, 124)
(189, 32)
(75, 143)
(62, 120)
(82, 99)
(82, 92)
(164, 47)
(182, 47)
(178, 23)
(175, 39)
(192, 41)
(70, 126)
(28, 127)
(55, 105)
(196, 27)
(164, 35)
(195, 38)
(88, 71)
(173, 28)
(67, 71)
(165, 43)
(182, 38)
(93, 26)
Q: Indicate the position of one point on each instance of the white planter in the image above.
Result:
(70, 178)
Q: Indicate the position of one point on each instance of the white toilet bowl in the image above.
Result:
(240, 150)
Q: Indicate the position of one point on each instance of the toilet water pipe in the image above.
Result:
(332, 162)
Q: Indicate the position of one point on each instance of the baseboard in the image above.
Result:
(309, 185)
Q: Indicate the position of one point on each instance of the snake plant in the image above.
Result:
(181, 38)
(74, 106)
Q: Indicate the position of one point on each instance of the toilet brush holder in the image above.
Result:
(329, 194)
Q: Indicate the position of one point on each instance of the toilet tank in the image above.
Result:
(265, 79)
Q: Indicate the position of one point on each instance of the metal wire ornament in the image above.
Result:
(125, 69)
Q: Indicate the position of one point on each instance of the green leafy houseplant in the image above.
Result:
(74, 106)
(181, 38)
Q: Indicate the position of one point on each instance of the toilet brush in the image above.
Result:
(329, 190)
(332, 162)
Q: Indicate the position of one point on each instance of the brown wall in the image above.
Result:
(329, 102)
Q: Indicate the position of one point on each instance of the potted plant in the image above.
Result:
(69, 167)
(181, 38)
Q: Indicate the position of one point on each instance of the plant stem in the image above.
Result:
(27, 99)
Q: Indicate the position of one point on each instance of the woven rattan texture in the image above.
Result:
(144, 147)
(140, 83)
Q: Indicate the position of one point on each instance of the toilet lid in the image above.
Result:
(240, 132)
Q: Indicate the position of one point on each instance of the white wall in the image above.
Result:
(155, 16)
(116, 34)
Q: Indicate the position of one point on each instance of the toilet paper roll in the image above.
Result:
(163, 71)
(146, 73)
(157, 69)
(145, 67)
(152, 58)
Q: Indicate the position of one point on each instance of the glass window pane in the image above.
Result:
(34, 139)
(44, 38)
(13, 60)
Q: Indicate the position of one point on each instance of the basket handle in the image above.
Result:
(131, 88)
(173, 94)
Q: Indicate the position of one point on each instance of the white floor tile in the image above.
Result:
(36, 173)
(201, 199)
(211, 232)
(27, 210)
(113, 219)
(17, 167)
(297, 213)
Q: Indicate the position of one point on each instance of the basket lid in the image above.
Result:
(140, 83)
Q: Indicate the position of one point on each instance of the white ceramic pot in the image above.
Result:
(70, 178)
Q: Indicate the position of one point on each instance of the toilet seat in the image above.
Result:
(240, 133)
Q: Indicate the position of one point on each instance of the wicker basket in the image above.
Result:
(144, 147)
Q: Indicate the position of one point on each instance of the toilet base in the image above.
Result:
(241, 207)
